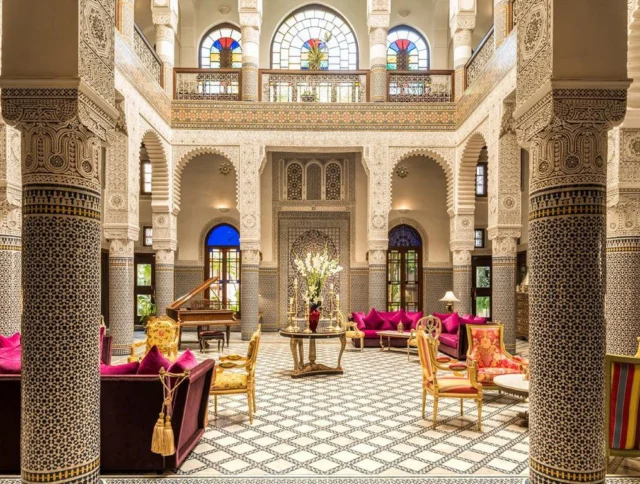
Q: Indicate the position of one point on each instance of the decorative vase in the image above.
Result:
(400, 327)
(314, 319)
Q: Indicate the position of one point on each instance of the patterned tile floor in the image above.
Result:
(364, 423)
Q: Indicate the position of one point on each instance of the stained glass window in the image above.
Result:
(224, 235)
(314, 27)
(404, 269)
(221, 49)
(407, 50)
(222, 260)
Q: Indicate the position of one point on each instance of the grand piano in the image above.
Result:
(201, 313)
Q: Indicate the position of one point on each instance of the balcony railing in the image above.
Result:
(281, 86)
(147, 55)
(420, 86)
(479, 59)
(207, 84)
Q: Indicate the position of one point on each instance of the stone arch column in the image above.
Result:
(10, 232)
(250, 23)
(378, 17)
(462, 22)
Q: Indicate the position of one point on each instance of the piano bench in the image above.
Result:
(208, 335)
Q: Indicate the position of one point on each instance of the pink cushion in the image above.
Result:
(152, 362)
(387, 315)
(373, 320)
(443, 316)
(11, 360)
(467, 316)
(415, 317)
(186, 361)
(465, 320)
(451, 324)
(401, 317)
(388, 326)
(359, 319)
(10, 341)
(449, 339)
(125, 369)
(478, 320)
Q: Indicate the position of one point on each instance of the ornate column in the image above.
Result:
(565, 124)
(462, 23)
(165, 19)
(121, 287)
(379, 203)
(461, 244)
(500, 21)
(378, 16)
(250, 23)
(505, 219)
(251, 157)
(10, 231)
(622, 308)
(125, 16)
(165, 244)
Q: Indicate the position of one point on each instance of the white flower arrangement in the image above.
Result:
(316, 268)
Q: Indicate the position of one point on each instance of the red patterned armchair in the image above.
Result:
(486, 348)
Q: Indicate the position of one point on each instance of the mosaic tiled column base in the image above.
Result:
(567, 236)
(249, 287)
(462, 281)
(10, 284)
(121, 282)
(504, 298)
(165, 293)
(61, 283)
(622, 299)
(377, 280)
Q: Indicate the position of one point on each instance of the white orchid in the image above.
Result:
(316, 268)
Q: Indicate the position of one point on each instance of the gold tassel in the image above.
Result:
(169, 447)
(157, 441)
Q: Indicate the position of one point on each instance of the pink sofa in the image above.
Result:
(453, 339)
(376, 321)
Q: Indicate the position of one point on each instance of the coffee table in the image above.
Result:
(392, 334)
(516, 385)
(302, 369)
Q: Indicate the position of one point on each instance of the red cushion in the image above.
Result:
(10, 341)
(359, 319)
(152, 362)
(185, 361)
(449, 339)
(451, 324)
(373, 320)
(125, 369)
(401, 317)
(11, 360)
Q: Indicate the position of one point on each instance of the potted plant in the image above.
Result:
(146, 309)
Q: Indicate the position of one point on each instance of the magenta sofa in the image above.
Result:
(453, 339)
(376, 321)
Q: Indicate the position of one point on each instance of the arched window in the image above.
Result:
(404, 269)
(222, 260)
(407, 50)
(316, 38)
(221, 49)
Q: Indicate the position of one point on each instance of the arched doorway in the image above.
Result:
(222, 260)
(404, 269)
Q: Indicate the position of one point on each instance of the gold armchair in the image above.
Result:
(351, 327)
(445, 386)
(431, 325)
(162, 332)
(228, 382)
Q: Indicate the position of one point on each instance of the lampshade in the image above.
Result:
(450, 297)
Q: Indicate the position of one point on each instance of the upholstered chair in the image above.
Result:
(227, 382)
(486, 349)
(458, 385)
(162, 332)
(351, 327)
(622, 405)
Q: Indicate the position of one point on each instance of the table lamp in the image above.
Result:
(449, 298)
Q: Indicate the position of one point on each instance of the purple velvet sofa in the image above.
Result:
(129, 406)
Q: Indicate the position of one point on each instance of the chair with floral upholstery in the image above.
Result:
(486, 349)
(351, 328)
(622, 407)
(162, 332)
(227, 382)
(457, 386)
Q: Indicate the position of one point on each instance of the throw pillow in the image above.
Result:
(479, 320)
(125, 369)
(359, 319)
(185, 361)
(415, 317)
(10, 341)
(451, 324)
(11, 361)
(387, 315)
(152, 362)
(388, 325)
(373, 320)
(401, 317)
(443, 316)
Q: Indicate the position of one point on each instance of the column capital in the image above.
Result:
(123, 247)
(461, 256)
(377, 257)
(461, 227)
(250, 18)
(164, 14)
(164, 231)
(623, 214)
(251, 257)
(504, 244)
(165, 256)
(10, 218)
(462, 21)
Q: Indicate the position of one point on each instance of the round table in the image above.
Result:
(302, 369)
(515, 384)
